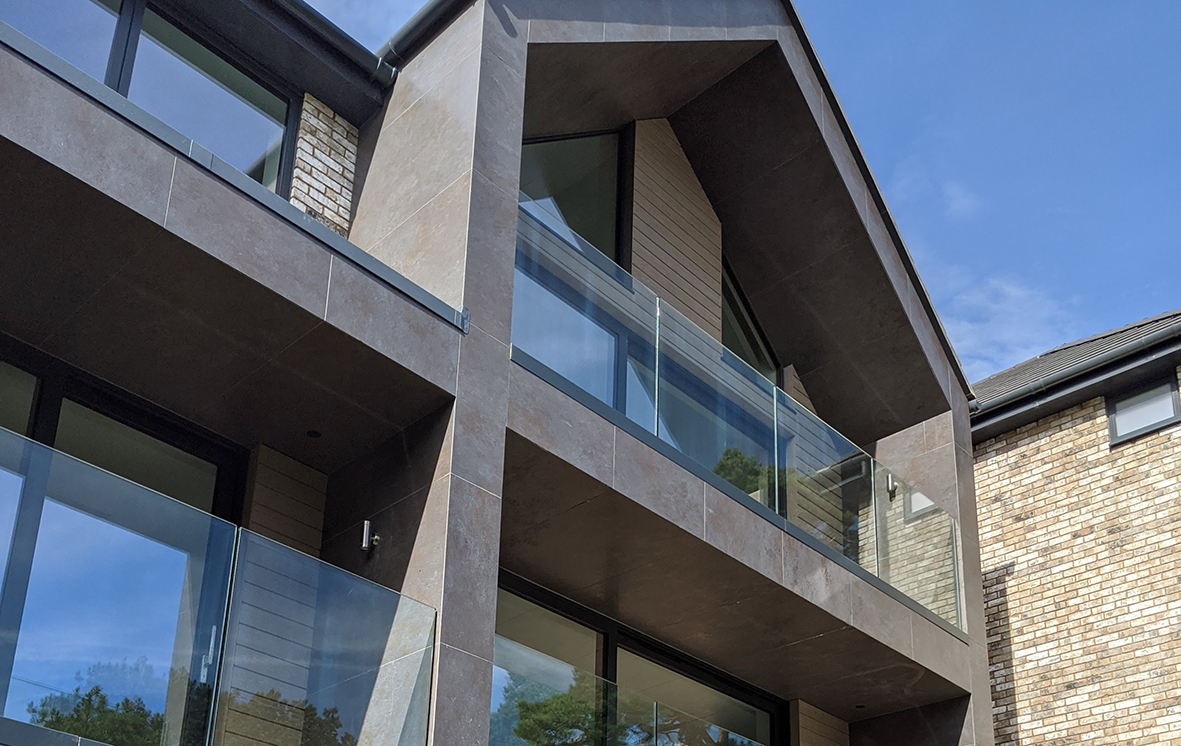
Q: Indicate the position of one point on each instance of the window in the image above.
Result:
(740, 333)
(572, 186)
(192, 90)
(1143, 411)
(577, 642)
(17, 389)
(61, 407)
(81, 32)
(170, 74)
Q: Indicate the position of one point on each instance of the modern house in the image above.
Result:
(555, 374)
(1078, 457)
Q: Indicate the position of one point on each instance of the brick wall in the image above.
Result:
(325, 164)
(1081, 552)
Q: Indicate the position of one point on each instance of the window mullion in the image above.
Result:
(131, 15)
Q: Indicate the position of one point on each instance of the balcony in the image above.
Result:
(538, 699)
(132, 619)
(580, 319)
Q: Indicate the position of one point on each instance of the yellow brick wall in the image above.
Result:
(1081, 553)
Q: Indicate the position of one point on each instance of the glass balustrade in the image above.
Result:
(541, 701)
(587, 320)
(133, 619)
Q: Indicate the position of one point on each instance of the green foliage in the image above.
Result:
(745, 472)
(127, 723)
(318, 728)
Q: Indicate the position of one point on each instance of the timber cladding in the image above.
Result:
(676, 236)
(1081, 554)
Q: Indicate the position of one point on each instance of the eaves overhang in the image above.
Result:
(295, 45)
(436, 14)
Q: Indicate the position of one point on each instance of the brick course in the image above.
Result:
(1081, 553)
(325, 164)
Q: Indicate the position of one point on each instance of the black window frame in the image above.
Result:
(614, 636)
(58, 381)
(1111, 400)
(121, 67)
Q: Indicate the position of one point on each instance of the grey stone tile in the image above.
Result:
(754, 19)
(544, 31)
(391, 324)
(937, 431)
(902, 445)
(420, 154)
(818, 579)
(881, 617)
(428, 67)
(499, 119)
(430, 246)
(743, 534)
(468, 614)
(51, 265)
(462, 693)
(801, 67)
(481, 410)
(942, 652)
(506, 33)
(220, 221)
(658, 484)
(83, 139)
(491, 252)
(693, 20)
(560, 425)
(399, 713)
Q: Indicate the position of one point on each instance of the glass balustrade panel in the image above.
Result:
(541, 700)
(918, 552)
(79, 31)
(116, 598)
(715, 408)
(825, 482)
(580, 315)
(320, 657)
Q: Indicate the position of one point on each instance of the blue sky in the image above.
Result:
(1029, 151)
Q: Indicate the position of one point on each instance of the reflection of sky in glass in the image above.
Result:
(562, 338)
(189, 100)
(10, 492)
(78, 31)
(98, 594)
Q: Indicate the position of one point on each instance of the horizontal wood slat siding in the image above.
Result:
(676, 236)
(285, 500)
(814, 727)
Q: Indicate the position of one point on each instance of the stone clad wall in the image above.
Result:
(1081, 552)
(325, 165)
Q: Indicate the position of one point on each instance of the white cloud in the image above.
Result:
(962, 203)
(996, 322)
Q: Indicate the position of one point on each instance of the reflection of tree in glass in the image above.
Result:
(593, 713)
(751, 475)
(317, 729)
(127, 723)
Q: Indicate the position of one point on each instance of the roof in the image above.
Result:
(1073, 358)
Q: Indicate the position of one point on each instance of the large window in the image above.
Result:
(43, 399)
(172, 75)
(1143, 411)
(576, 668)
(572, 185)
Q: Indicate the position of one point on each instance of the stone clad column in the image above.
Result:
(438, 175)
